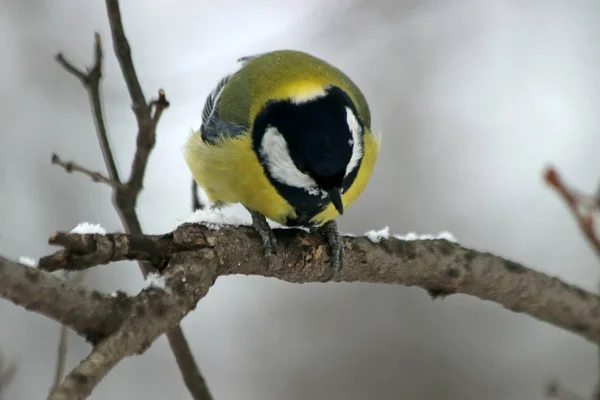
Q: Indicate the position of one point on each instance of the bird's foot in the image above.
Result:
(336, 246)
(260, 224)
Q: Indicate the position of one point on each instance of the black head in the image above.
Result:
(310, 149)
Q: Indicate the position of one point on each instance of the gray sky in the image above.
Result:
(473, 100)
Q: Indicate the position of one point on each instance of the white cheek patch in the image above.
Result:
(356, 141)
(277, 158)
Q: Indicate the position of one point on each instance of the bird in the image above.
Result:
(288, 136)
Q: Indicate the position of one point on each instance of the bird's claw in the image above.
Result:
(261, 226)
(336, 246)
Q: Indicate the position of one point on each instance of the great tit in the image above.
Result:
(289, 137)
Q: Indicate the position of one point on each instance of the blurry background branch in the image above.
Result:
(75, 277)
(125, 194)
(196, 203)
(7, 373)
(193, 256)
(584, 208)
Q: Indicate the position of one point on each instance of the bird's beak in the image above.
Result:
(335, 195)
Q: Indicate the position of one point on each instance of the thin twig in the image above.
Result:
(158, 106)
(61, 358)
(583, 207)
(70, 167)
(123, 52)
(555, 390)
(91, 82)
(146, 137)
(7, 373)
(596, 393)
(61, 352)
(196, 203)
(124, 201)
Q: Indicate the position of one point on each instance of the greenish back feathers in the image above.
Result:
(278, 75)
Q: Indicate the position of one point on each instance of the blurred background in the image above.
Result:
(474, 99)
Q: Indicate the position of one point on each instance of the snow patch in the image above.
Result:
(445, 235)
(378, 236)
(154, 280)
(87, 228)
(30, 262)
(214, 219)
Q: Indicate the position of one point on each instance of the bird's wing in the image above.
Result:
(213, 128)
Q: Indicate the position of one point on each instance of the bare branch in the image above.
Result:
(192, 377)
(61, 352)
(123, 52)
(70, 68)
(438, 266)
(596, 394)
(61, 357)
(88, 312)
(189, 277)
(91, 83)
(124, 200)
(159, 105)
(556, 391)
(7, 373)
(196, 203)
(70, 166)
(193, 256)
(581, 206)
(146, 121)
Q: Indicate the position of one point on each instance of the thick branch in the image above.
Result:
(88, 312)
(193, 256)
(188, 278)
(440, 267)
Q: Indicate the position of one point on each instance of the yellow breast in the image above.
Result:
(230, 172)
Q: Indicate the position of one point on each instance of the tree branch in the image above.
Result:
(88, 312)
(583, 207)
(7, 373)
(70, 166)
(556, 391)
(91, 83)
(193, 256)
(143, 112)
(61, 357)
(61, 351)
(440, 267)
(125, 195)
(196, 203)
(155, 311)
